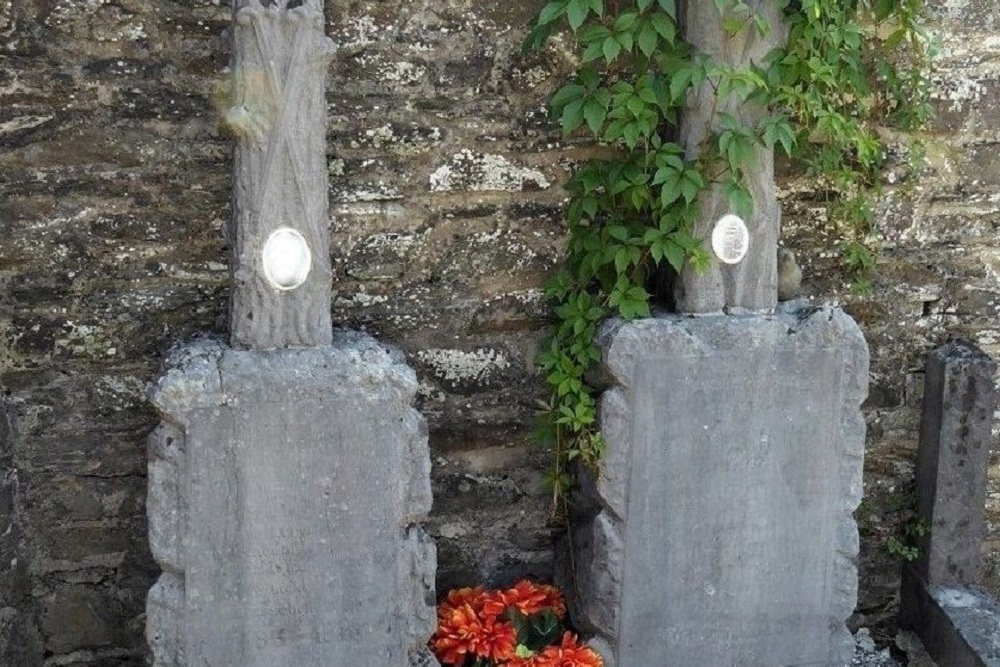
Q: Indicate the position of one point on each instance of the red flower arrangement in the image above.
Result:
(516, 627)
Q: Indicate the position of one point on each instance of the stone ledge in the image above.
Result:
(959, 624)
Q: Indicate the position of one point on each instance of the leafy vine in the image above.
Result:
(847, 70)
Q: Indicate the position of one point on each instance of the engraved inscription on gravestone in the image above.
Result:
(724, 533)
(754, 486)
(285, 521)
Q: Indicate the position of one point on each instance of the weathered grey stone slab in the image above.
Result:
(959, 624)
(278, 115)
(285, 487)
(955, 439)
(752, 284)
(720, 531)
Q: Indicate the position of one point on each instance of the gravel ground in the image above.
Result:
(868, 654)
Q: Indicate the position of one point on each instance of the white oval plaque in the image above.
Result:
(730, 239)
(287, 259)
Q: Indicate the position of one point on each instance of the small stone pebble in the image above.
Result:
(867, 654)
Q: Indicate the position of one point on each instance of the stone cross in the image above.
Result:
(720, 529)
(278, 236)
(751, 283)
(286, 486)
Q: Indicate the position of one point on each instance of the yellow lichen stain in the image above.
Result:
(247, 103)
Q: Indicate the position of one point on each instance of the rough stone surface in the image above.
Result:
(955, 436)
(19, 642)
(278, 114)
(285, 487)
(957, 623)
(735, 449)
(867, 653)
(115, 184)
(752, 284)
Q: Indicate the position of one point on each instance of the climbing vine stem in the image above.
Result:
(847, 70)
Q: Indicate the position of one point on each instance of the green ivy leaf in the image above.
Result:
(619, 232)
(612, 48)
(551, 12)
(593, 51)
(572, 116)
(680, 80)
(675, 255)
(670, 7)
(595, 112)
(576, 13)
(537, 37)
(636, 106)
(664, 26)
(625, 21)
(732, 25)
(565, 95)
(627, 40)
(670, 192)
(648, 39)
(623, 259)
(594, 33)
(690, 184)
(778, 130)
(739, 197)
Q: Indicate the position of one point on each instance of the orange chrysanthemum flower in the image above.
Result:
(570, 653)
(499, 641)
(474, 597)
(457, 634)
(462, 632)
(494, 605)
(529, 598)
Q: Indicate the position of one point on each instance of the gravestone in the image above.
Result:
(941, 599)
(719, 530)
(290, 471)
(955, 438)
(284, 486)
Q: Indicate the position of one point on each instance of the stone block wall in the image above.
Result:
(938, 277)
(445, 190)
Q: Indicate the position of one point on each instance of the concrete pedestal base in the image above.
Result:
(284, 491)
(720, 531)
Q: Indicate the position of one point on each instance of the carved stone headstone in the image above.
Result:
(952, 461)
(290, 471)
(284, 487)
(280, 56)
(720, 530)
(750, 284)
(941, 598)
